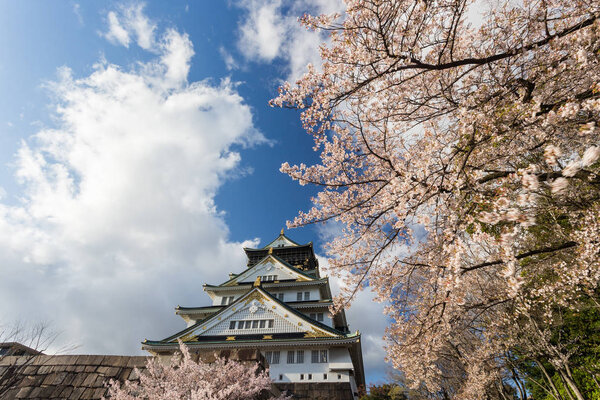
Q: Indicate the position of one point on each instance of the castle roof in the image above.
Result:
(202, 331)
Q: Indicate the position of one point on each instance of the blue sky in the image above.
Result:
(138, 153)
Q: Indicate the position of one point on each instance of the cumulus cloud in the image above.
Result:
(130, 23)
(117, 223)
(270, 30)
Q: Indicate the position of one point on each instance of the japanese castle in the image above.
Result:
(278, 305)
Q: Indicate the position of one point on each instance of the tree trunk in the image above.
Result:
(549, 379)
(571, 385)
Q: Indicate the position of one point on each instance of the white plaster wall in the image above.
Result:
(292, 372)
(291, 293)
(217, 299)
(327, 318)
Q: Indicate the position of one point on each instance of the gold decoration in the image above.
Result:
(257, 282)
(187, 338)
(281, 231)
(286, 315)
(299, 323)
(273, 307)
(230, 338)
(270, 250)
(219, 318)
(313, 333)
(268, 337)
(256, 295)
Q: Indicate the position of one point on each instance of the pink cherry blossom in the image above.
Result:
(442, 145)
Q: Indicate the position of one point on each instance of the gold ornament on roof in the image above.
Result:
(313, 333)
(270, 250)
(281, 231)
(187, 338)
(257, 282)
(254, 296)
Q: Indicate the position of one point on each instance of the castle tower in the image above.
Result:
(279, 305)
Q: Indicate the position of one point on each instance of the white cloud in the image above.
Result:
(270, 30)
(117, 222)
(131, 22)
(263, 31)
(230, 62)
(77, 12)
(116, 33)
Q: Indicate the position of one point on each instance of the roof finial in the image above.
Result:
(270, 250)
(257, 282)
(281, 231)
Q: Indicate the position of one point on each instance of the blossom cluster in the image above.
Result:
(463, 164)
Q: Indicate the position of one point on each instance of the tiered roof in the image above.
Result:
(294, 265)
(301, 256)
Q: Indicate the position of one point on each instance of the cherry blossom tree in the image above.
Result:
(459, 153)
(184, 378)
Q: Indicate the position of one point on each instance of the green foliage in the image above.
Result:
(386, 391)
(577, 334)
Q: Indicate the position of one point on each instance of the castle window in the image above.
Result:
(317, 316)
(280, 296)
(306, 296)
(248, 324)
(323, 356)
(339, 376)
(223, 301)
(280, 377)
(318, 356)
(240, 324)
(272, 357)
(270, 323)
(290, 357)
(230, 300)
(262, 323)
(325, 376)
(301, 377)
(232, 325)
(299, 356)
(299, 296)
(255, 324)
(309, 376)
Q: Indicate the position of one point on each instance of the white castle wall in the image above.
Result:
(336, 370)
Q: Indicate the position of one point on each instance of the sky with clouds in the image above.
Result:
(138, 154)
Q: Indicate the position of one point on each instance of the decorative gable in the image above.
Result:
(269, 269)
(281, 241)
(255, 313)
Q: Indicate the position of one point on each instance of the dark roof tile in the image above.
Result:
(64, 377)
